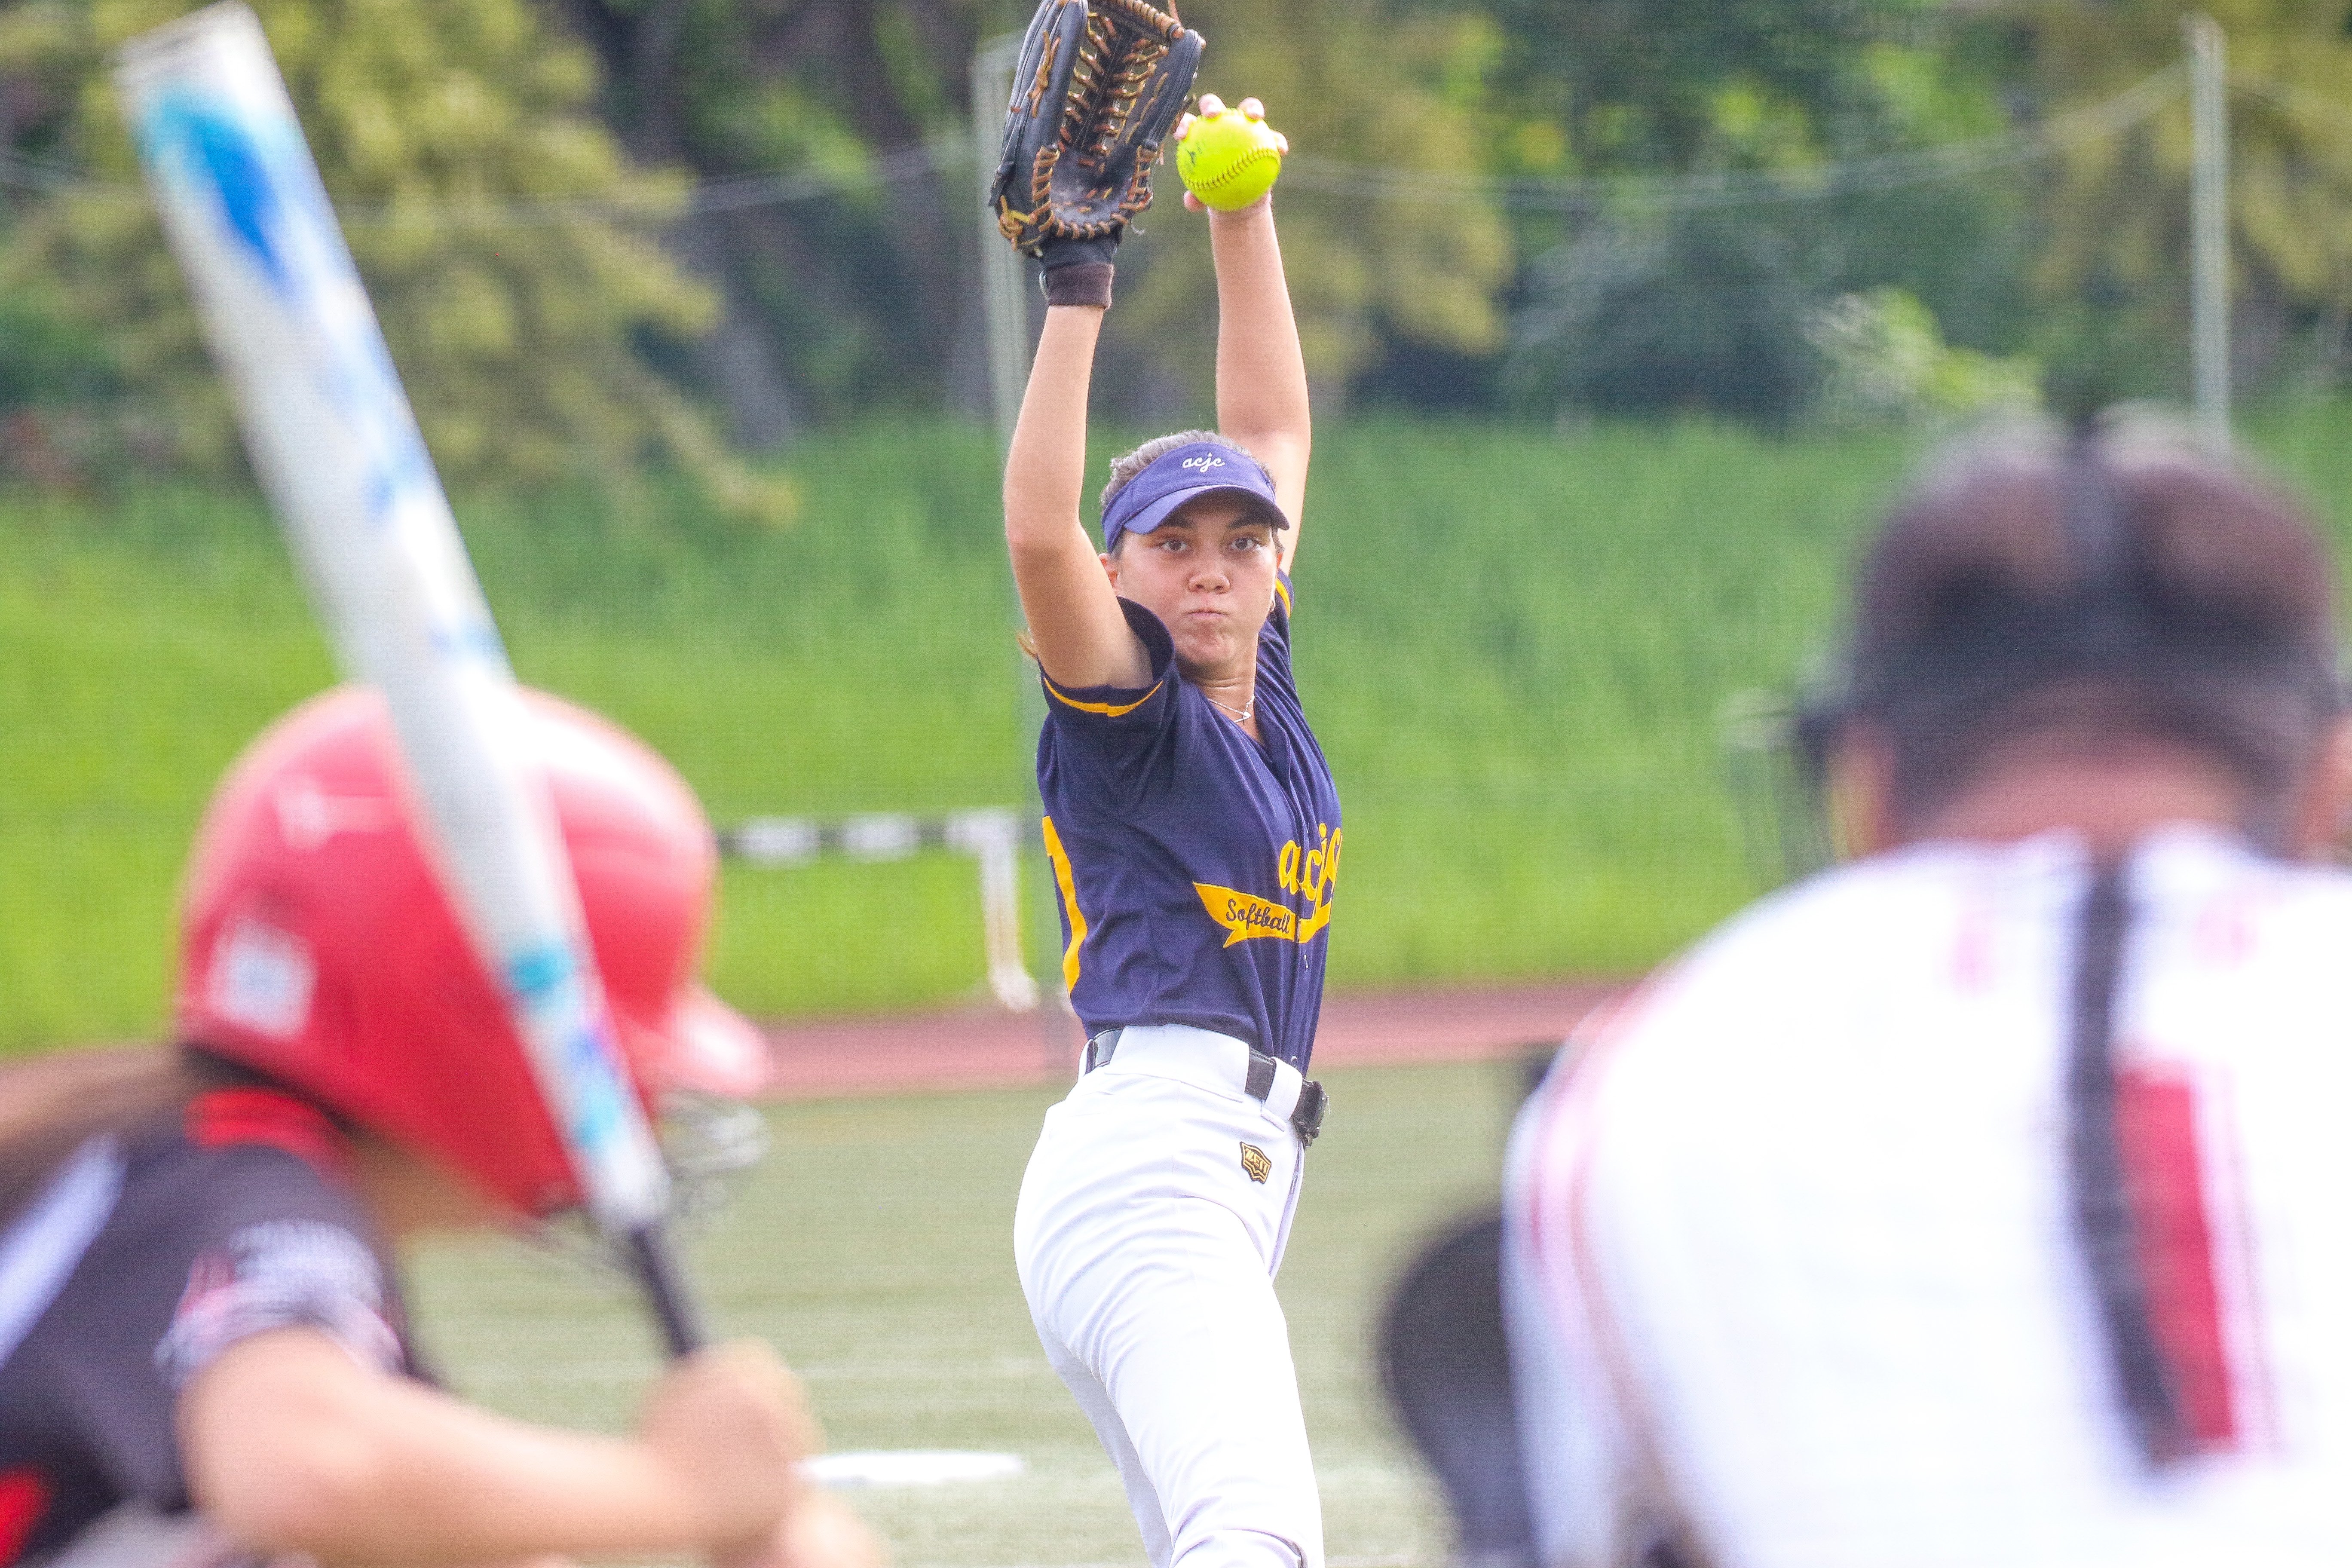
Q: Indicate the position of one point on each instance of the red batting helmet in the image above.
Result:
(318, 947)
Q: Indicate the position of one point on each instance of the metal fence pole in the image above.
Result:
(2209, 71)
(1006, 296)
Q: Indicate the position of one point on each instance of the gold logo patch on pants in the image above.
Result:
(1256, 1162)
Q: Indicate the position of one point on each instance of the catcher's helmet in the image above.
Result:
(318, 950)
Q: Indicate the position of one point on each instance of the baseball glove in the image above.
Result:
(1098, 87)
(1447, 1365)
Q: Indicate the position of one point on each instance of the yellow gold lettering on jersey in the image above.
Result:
(1309, 874)
(1255, 1164)
(1245, 915)
(1316, 920)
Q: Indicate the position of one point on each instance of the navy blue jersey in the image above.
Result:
(147, 1257)
(1195, 865)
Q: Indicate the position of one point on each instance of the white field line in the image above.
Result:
(991, 1367)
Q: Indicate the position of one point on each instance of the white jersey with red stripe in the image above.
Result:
(1791, 1264)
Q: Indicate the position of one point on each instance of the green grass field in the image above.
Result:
(1516, 646)
(874, 1249)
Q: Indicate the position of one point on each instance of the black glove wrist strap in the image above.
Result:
(1082, 283)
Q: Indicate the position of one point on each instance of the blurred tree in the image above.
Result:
(1640, 312)
(1652, 86)
(2116, 212)
(870, 297)
(1705, 315)
(848, 301)
(1364, 273)
(56, 373)
(517, 339)
(1886, 363)
(37, 39)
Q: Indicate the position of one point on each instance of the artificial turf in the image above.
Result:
(874, 1249)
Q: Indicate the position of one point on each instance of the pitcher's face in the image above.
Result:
(1208, 573)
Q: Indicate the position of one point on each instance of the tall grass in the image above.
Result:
(864, 661)
(1514, 647)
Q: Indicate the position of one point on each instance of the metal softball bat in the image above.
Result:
(337, 446)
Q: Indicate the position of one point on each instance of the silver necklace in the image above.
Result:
(1239, 716)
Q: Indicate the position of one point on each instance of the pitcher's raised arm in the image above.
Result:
(1261, 371)
(1079, 635)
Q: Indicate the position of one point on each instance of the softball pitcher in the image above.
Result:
(1195, 839)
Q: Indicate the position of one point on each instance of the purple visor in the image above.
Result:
(1186, 474)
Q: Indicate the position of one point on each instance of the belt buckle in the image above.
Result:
(1307, 1116)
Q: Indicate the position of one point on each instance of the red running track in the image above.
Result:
(989, 1049)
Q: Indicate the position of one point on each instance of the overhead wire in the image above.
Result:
(22, 172)
(666, 203)
(659, 200)
(642, 199)
(1884, 171)
(2294, 101)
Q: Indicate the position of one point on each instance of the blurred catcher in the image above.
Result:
(203, 1356)
(1977, 1202)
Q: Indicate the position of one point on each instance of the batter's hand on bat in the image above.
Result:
(730, 1425)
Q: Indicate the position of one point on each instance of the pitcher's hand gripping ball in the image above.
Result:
(1098, 86)
(1229, 158)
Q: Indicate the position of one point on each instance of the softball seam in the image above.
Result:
(1240, 166)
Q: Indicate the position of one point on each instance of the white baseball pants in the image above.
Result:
(1151, 1224)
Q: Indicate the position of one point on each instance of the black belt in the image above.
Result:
(1306, 1117)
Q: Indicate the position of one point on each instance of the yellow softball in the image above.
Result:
(1229, 160)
